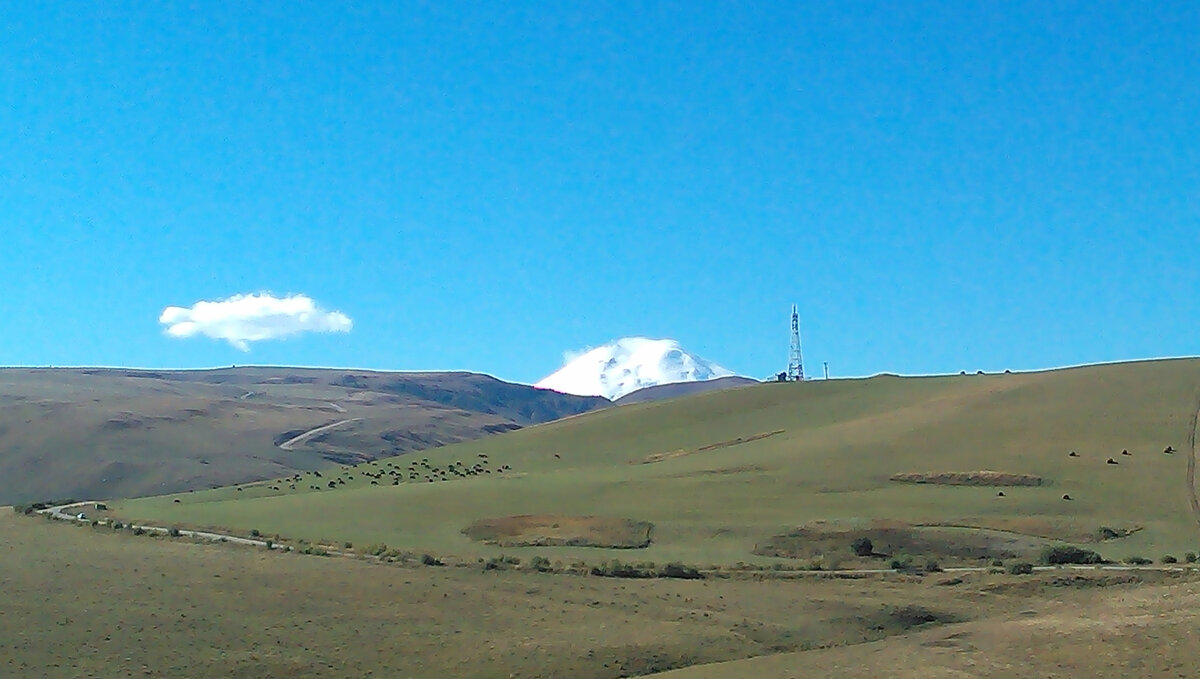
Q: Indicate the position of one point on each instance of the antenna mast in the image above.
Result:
(795, 370)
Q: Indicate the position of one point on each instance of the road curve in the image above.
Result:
(292, 442)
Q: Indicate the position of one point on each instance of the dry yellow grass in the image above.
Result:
(81, 601)
(1107, 633)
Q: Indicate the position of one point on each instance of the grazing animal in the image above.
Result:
(1169, 450)
(1126, 452)
(1111, 461)
(175, 500)
(1066, 497)
(1000, 494)
(1072, 454)
(557, 456)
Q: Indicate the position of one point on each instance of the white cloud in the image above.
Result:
(243, 319)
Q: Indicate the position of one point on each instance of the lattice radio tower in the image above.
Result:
(795, 369)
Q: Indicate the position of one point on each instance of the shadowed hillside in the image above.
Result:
(121, 433)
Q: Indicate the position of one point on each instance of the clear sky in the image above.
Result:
(938, 185)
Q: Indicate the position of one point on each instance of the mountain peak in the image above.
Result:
(628, 364)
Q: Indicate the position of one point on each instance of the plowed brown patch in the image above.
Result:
(550, 530)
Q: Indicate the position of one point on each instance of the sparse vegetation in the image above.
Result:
(1022, 568)
(1068, 554)
(1138, 561)
(862, 546)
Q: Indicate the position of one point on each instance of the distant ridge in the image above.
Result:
(114, 432)
(677, 389)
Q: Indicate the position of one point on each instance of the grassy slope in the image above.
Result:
(841, 441)
(83, 602)
(120, 433)
(1142, 632)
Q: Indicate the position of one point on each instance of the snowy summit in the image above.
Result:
(626, 365)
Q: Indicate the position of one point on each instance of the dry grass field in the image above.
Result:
(90, 602)
(776, 479)
(764, 460)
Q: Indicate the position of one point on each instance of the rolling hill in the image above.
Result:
(660, 392)
(102, 433)
(786, 473)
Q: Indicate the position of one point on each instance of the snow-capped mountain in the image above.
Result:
(629, 364)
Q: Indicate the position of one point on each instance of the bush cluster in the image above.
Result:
(1067, 554)
(1022, 568)
(617, 569)
(862, 547)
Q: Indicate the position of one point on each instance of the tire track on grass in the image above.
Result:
(1191, 464)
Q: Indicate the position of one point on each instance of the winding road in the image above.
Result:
(59, 513)
(292, 442)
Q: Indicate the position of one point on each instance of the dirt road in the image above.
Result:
(292, 442)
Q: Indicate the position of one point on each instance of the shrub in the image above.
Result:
(1190, 557)
(21, 509)
(1064, 554)
(377, 549)
(173, 532)
(254, 533)
(1168, 559)
(117, 525)
(1022, 568)
(1138, 561)
(429, 560)
(862, 547)
(348, 545)
(678, 570)
(932, 566)
(270, 544)
(997, 563)
(540, 564)
(901, 563)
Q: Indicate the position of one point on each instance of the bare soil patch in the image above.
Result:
(894, 539)
(545, 530)
(973, 478)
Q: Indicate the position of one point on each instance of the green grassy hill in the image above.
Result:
(100, 433)
(722, 475)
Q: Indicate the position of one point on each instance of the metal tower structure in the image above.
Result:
(795, 369)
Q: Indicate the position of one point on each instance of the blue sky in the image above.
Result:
(938, 186)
